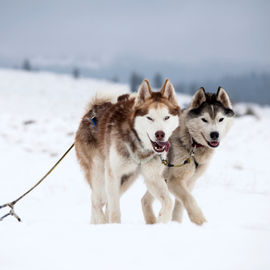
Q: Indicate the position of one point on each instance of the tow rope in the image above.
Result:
(12, 204)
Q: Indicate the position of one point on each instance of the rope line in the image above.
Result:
(12, 204)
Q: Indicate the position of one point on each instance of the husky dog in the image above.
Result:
(128, 138)
(202, 127)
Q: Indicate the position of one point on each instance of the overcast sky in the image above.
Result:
(186, 31)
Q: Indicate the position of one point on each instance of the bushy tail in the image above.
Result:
(103, 97)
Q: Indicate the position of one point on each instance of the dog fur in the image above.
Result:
(202, 126)
(130, 136)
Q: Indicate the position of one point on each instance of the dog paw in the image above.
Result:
(177, 219)
(164, 218)
(151, 220)
(198, 218)
(115, 218)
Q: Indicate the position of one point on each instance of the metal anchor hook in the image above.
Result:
(10, 213)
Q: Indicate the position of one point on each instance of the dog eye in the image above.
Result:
(204, 120)
(149, 118)
(167, 117)
(221, 119)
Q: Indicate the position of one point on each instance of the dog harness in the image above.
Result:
(93, 119)
(195, 145)
(168, 164)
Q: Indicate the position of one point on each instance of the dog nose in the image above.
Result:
(214, 135)
(160, 135)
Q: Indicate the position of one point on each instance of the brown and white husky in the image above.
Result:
(128, 138)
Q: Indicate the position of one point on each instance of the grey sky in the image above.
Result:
(186, 31)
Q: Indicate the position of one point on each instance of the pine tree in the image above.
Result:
(26, 65)
(135, 81)
(76, 73)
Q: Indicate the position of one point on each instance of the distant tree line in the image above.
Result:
(242, 88)
(246, 88)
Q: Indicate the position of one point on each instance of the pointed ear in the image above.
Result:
(143, 93)
(168, 92)
(223, 98)
(198, 98)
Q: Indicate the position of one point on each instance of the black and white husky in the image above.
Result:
(202, 127)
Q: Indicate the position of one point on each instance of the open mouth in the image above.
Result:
(160, 147)
(212, 144)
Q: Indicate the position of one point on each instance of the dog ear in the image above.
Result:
(144, 93)
(168, 92)
(223, 98)
(198, 98)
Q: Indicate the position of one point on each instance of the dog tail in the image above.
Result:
(103, 97)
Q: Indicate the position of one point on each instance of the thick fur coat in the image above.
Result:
(130, 136)
(202, 127)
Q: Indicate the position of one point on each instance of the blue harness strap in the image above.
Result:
(93, 120)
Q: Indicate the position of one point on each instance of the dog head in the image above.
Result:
(209, 117)
(156, 115)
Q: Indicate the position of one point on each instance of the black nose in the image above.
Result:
(214, 135)
(160, 135)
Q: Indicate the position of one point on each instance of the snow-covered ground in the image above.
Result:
(39, 113)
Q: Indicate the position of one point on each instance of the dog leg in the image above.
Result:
(158, 188)
(97, 215)
(107, 213)
(182, 193)
(95, 176)
(178, 205)
(112, 186)
(147, 201)
(178, 211)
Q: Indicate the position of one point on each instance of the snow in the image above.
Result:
(39, 113)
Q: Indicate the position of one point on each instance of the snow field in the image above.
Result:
(39, 113)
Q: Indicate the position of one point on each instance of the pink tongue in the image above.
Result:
(214, 143)
(167, 145)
